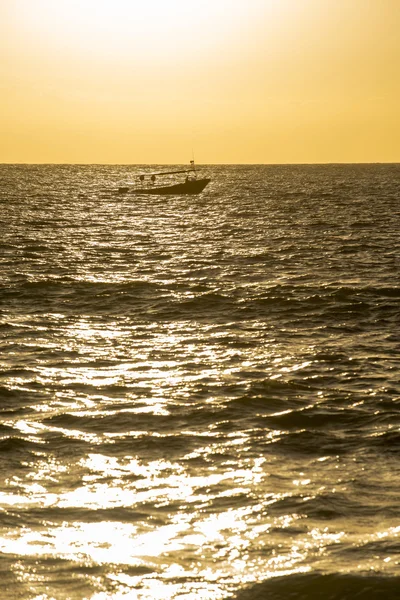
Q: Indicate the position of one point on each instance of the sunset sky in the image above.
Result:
(236, 81)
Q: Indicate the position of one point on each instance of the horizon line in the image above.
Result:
(277, 164)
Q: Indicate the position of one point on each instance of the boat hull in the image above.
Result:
(194, 186)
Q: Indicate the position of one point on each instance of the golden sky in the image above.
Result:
(236, 81)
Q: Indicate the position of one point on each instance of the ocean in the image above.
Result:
(200, 395)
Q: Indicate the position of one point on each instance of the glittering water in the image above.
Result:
(200, 394)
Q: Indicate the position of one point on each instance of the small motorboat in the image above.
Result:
(191, 184)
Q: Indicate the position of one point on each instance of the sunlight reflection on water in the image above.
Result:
(228, 538)
(197, 394)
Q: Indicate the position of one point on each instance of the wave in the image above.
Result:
(318, 586)
(325, 417)
(13, 445)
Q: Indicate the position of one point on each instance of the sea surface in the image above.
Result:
(200, 396)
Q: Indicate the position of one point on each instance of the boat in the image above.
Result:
(191, 184)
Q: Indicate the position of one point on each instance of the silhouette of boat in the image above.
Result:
(191, 185)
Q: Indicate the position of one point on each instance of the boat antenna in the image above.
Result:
(192, 163)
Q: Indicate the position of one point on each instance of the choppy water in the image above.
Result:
(200, 396)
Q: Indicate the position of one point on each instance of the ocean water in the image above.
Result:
(200, 396)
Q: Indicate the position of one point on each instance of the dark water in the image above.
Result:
(200, 396)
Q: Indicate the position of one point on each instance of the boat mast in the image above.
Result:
(192, 164)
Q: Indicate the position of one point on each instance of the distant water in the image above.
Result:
(200, 396)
